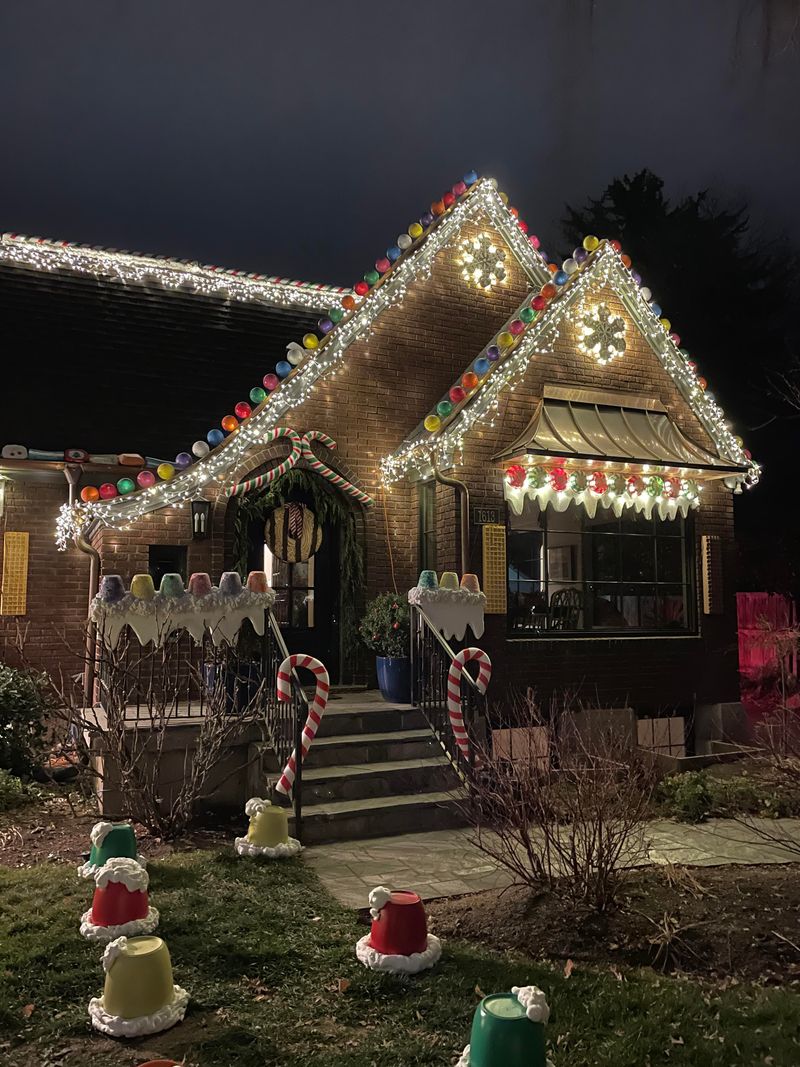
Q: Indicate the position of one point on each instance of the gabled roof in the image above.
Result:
(412, 257)
(177, 275)
(534, 329)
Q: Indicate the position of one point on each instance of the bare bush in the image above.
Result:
(566, 804)
(120, 739)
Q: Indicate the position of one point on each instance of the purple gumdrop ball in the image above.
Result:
(493, 353)
(636, 277)
(580, 255)
(426, 219)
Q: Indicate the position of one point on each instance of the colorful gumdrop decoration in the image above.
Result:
(110, 839)
(121, 904)
(139, 996)
(398, 940)
(268, 832)
(508, 1030)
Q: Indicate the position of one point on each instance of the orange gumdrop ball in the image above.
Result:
(437, 207)
(548, 291)
(553, 268)
(229, 423)
(89, 494)
(626, 259)
(348, 302)
(470, 380)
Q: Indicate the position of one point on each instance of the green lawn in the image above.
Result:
(262, 949)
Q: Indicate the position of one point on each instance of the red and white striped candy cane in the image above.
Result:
(454, 690)
(315, 712)
(269, 476)
(320, 468)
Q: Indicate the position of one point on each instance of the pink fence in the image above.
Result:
(763, 620)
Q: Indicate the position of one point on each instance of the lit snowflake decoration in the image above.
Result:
(481, 262)
(602, 334)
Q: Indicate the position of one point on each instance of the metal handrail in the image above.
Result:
(446, 647)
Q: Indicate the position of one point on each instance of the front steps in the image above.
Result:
(374, 770)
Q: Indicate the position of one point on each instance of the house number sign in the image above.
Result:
(483, 516)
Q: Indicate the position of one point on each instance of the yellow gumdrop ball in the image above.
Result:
(310, 340)
(665, 323)
(432, 423)
(415, 230)
(503, 197)
(165, 471)
(590, 243)
(505, 339)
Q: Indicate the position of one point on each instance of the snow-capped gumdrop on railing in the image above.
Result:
(199, 608)
(451, 606)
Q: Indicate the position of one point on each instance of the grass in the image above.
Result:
(263, 949)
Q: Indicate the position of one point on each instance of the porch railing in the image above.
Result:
(431, 657)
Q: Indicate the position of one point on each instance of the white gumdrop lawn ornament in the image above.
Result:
(454, 691)
(268, 833)
(398, 941)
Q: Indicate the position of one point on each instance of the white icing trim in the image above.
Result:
(277, 852)
(100, 832)
(533, 1000)
(413, 964)
(379, 898)
(114, 949)
(163, 1019)
(464, 1060)
(135, 928)
(423, 596)
(125, 870)
(255, 805)
(89, 870)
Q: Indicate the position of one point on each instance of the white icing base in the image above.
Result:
(116, 1026)
(245, 847)
(464, 1061)
(89, 870)
(103, 934)
(413, 964)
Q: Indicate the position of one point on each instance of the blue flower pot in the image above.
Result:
(394, 678)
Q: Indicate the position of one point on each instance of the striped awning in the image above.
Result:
(618, 428)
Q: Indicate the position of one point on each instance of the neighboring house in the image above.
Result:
(600, 471)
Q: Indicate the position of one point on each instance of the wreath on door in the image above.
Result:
(293, 532)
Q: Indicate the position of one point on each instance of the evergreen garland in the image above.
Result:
(329, 507)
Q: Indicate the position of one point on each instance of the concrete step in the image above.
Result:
(377, 717)
(344, 750)
(387, 778)
(347, 820)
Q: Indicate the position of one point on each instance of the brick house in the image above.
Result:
(600, 471)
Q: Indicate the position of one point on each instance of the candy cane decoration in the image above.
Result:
(269, 476)
(320, 468)
(454, 690)
(315, 712)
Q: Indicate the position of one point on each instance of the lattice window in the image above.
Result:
(495, 584)
(14, 588)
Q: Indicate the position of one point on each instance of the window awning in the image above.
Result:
(617, 429)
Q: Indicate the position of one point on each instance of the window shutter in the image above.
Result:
(495, 577)
(14, 588)
(711, 555)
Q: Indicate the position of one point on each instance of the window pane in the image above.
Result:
(605, 558)
(638, 559)
(281, 606)
(672, 607)
(280, 573)
(301, 605)
(300, 575)
(670, 560)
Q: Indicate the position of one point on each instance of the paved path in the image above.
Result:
(445, 863)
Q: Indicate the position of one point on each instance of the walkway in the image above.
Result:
(445, 863)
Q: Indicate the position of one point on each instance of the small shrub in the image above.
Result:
(22, 711)
(699, 795)
(14, 793)
(687, 797)
(385, 627)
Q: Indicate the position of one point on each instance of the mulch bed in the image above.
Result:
(728, 923)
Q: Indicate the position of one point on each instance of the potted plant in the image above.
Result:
(385, 629)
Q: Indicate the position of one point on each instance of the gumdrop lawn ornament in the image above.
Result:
(398, 941)
(268, 832)
(139, 996)
(121, 906)
(110, 839)
(508, 1030)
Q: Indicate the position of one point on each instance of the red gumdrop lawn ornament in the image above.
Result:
(108, 491)
(515, 476)
(470, 380)
(116, 904)
(559, 479)
(401, 928)
(243, 410)
(457, 394)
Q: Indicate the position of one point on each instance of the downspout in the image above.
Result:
(73, 474)
(463, 494)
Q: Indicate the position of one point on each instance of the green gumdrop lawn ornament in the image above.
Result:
(109, 839)
(508, 1030)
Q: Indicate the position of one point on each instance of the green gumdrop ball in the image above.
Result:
(371, 277)
(126, 485)
(336, 314)
(527, 314)
(443, 408)
(258, 395)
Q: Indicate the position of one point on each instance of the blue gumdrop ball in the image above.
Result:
(560, 277)
(283, 368)
(393, 253)
(656, 309)
(215, 437)
(183, 459)
(481, 366)
(470, 177)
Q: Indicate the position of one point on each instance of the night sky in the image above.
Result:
(299, 138)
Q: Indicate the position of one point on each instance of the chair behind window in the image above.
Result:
(565, 609)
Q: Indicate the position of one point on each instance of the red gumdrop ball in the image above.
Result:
(522, 225)
(243, 410)
(448, 199)
(538, 303)
(457, 394)
(615, 244)
(361, 288)
(271, 381)
(108, 491)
